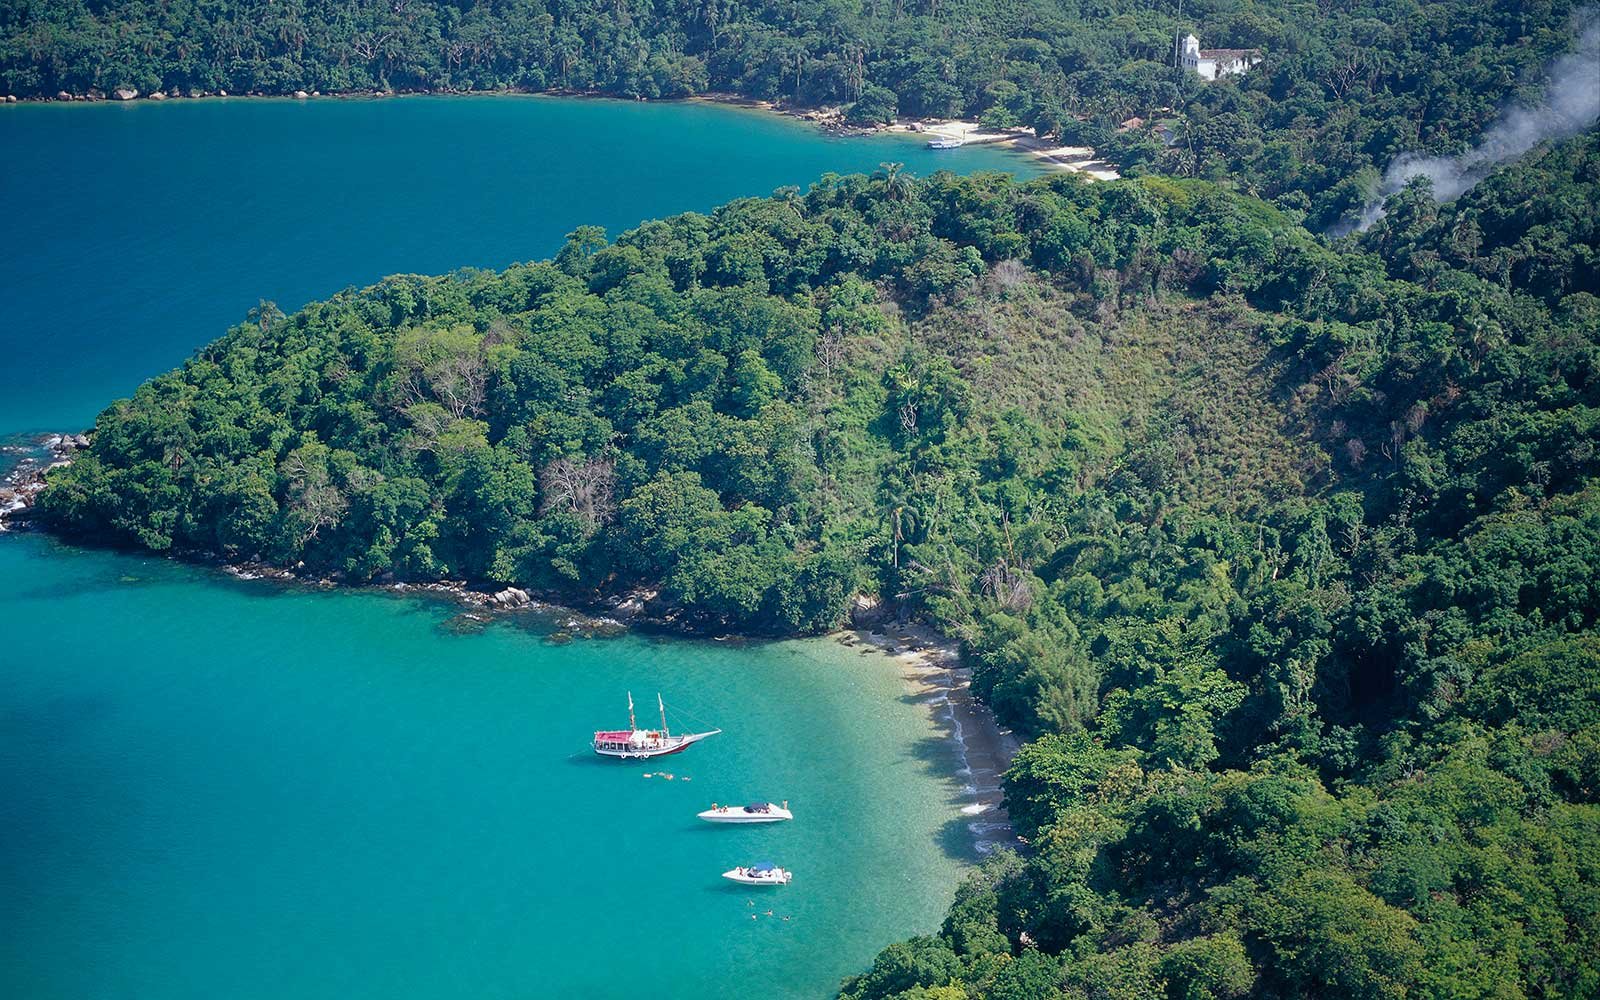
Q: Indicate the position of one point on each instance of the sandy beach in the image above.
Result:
(931, 666)
(1076, 158)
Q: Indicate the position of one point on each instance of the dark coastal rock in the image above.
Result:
(633, 604)
(866, 612)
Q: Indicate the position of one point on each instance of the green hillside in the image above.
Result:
(1283, 553)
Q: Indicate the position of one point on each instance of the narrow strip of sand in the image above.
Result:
(931, 665)
(1077, 158)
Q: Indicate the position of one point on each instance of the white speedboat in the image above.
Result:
(755, 812)
(634, 743)
(760, 873)
(947, 142)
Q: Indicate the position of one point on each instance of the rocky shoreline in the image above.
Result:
(22, 483)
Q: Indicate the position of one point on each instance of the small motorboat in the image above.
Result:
(760, 873)
(947, 142)
(755, 812)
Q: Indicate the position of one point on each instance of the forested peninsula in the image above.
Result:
(1284, 554)
(1344, 88)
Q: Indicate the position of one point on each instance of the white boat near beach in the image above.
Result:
(947, 142)
(755, 812)
(634, 743)
(760, 873)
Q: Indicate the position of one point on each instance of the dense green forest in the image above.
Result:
(1284, 554)
(1346, 86)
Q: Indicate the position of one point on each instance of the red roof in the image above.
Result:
(620, 736)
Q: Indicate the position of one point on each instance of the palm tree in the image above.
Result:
(896, 182)
(902, 518)
(265, 314)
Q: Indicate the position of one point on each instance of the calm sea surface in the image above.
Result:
(219, 789)
(132, 234)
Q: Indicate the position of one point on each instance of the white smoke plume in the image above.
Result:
(1570, 104)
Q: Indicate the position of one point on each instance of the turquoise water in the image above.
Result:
(217, 789)
(134, 233)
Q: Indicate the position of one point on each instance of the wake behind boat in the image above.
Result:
(761, 873)
(755, 812)
(634, 743)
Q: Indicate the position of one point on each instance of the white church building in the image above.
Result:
(1212, 63)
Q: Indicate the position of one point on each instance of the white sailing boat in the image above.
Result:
(634, 743)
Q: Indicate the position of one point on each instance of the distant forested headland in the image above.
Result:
(1285, 554)
(1344, 89)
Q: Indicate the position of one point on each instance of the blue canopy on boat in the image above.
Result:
(757, 807)
(763, 866)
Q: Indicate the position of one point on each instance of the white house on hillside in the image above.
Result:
(1212, 63)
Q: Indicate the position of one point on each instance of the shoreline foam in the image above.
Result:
(930, 665)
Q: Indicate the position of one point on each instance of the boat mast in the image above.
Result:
(663, 706)
(632, 726)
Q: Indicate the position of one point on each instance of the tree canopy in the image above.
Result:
(1284, 553)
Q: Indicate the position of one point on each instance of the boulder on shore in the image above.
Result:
(62, 95)
(302, 95)
(125, 93)
(156, 95)
(513, 597)
(866, 611)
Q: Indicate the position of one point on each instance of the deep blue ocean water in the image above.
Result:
(132, 234)
(212, 788)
